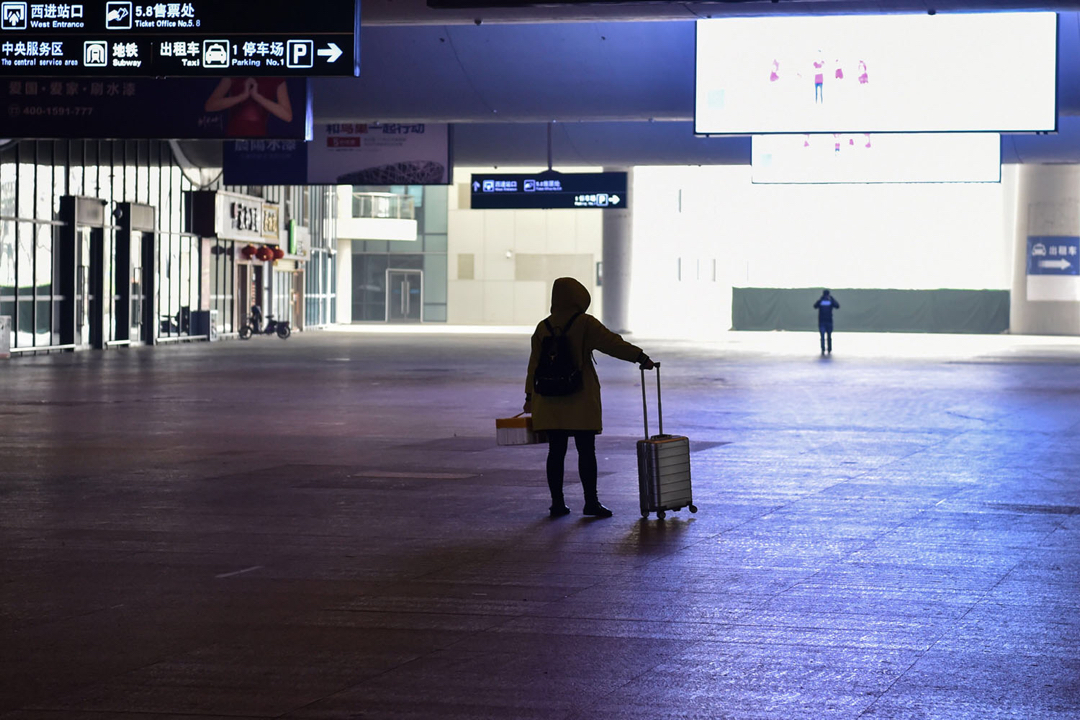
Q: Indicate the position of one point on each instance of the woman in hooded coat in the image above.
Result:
(578, 414)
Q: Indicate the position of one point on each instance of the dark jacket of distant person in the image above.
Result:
(825, 306)
(582, 410)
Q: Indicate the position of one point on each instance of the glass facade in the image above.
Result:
(373, 261)
(72, 281)
(36, 247)
(223, 285)
(321, 285)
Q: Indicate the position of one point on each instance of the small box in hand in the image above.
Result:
(518, 430)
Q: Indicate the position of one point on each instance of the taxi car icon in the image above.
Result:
(1038, 249)
(216, 56)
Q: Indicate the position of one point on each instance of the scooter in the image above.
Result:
(273, 327)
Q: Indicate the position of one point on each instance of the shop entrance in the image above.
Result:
(404, 295)
(252, 289)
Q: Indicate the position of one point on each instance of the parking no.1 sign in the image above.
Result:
(130, 38)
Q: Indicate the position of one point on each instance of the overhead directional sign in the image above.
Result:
(279, 38)
(549, 190)
(1053, 255)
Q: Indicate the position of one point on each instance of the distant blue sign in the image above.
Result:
(1053, 255)
(549, 190)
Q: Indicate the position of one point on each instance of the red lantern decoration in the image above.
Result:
(278, 253)
(247, 251)
(265, 254)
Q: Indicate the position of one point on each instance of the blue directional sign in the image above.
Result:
(549, 190)
(1053, 255)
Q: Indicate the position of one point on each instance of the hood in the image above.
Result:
(568, 296)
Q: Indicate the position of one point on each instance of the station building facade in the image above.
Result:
(110, 243)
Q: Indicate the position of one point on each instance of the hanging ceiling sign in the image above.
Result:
(549, 190)
(105, 38)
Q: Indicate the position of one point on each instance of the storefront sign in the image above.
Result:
(245, 218)
(271, 227)
(346, 154)
(105, 38)
(193, 108)
(230, 216)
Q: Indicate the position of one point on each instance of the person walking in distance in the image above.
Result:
(825, 306)
(562, 390)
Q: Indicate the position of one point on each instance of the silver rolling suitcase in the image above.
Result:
(663, 465)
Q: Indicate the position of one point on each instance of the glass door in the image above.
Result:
(404, 295)
(138, 290)
(83, 297)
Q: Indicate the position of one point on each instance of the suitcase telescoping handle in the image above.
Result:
(645, 406)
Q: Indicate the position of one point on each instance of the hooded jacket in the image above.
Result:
(582, 410)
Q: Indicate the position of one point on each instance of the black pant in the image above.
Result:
(825, 328)
(585, 440)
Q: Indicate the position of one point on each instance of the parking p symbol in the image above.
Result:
(301, 54)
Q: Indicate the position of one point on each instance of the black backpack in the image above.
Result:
(556, 372)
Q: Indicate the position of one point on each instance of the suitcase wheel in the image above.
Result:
(645, 514)
(693, 508)
(661, 514)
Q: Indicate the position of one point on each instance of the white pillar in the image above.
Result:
(1047, 205)
(617, 253)
(344, 281)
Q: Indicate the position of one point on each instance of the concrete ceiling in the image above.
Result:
(620, 92)
(467, 12)
(565, 72)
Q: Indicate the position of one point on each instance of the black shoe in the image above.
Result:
(559, 511)
(597, 510)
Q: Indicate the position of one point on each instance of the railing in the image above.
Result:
(383, 205)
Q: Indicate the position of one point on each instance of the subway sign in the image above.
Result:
(106, 38)
(549, 190)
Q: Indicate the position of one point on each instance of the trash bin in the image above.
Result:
(200, 323)
(5, 336)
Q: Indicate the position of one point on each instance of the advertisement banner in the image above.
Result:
(876, 158)
(175, 109)
(346, 154)
(956, 72)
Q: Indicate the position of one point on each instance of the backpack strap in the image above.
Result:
(564, 330)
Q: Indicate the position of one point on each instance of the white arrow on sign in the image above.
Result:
(475, 186)
(1059, 264)
(331, 52)
(615, 199)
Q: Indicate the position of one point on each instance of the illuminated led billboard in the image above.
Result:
(877, 73)
(876, 158)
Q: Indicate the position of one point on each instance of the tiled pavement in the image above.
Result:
(324, 528)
